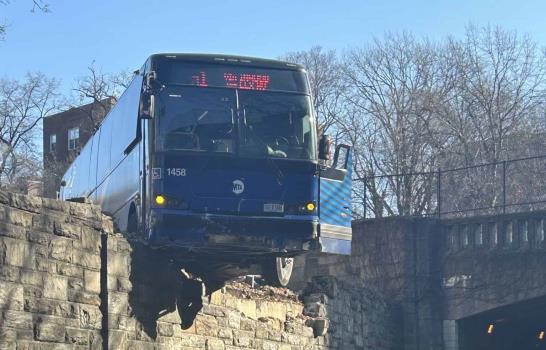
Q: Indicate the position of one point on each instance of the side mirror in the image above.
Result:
(325, 147)
(63, 183)
(146, 106)
(151, 80)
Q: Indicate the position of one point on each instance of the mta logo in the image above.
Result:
(238, 187)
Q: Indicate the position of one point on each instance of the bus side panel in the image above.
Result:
(120, 183)
(335, 213)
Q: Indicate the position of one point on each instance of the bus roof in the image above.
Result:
(230, 59)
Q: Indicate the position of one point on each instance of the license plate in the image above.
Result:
(273, 208)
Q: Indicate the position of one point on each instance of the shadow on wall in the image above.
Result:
(161, 285)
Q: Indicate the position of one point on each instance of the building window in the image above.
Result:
(52, 142)
(73, 138)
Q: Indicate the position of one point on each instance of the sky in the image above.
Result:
(120, 34)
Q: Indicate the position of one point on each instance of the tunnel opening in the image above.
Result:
(516, 326)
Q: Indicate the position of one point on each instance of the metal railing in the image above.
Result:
(509, 186)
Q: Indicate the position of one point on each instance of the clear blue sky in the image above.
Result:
(120, 34)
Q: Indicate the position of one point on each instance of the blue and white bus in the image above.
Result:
(219, 155)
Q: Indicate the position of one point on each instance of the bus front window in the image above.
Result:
(193, 119)
(276, 124)
(254, 124)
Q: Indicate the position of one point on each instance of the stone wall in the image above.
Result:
(398, 258)
(67, 281)
(49, 274)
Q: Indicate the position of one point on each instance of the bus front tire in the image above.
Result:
(277, 271)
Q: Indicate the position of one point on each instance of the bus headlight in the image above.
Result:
(310, 207)
(170, 202)
(160, 200)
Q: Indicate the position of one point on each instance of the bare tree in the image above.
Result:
(327, 85)
(101, 90)
(493, 113)
(23, 104)
(394, 86)
(37, 5)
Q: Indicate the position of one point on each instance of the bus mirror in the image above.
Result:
(325, 147)
(63, 183)
(151, 79)
(146, 106)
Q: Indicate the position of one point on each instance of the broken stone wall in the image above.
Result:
(67, 281)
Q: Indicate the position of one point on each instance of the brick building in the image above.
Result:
(64, 134)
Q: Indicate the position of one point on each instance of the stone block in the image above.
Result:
(25, 202)
(39, 237)
(117, 339)
(225, 333)
(46, 265)
(68, 230)
(85, 211)
(247, 307)
(118, 303)
(118, 264)
(271, 309)
(90, 317)
(77, 336)
(214, 344)
(8, 230)
(248, 325)
(55, 287)
(48, 331)
(39, 306)
(91, 239)
(17, 319)
(71, 270)
(61, 249)
(86, 259)
(242, 339)
(56, 205)
(212, 310)
(165, 329)
(9, 273)
(16, 253)
(83, 297)
(206, 325)
(16, 217)
(91, 281)
(11, 296)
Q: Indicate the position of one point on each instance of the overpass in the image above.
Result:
(467, 283)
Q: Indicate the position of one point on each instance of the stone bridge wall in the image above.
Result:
(67, 281)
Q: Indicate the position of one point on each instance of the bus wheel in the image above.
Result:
(277, 271)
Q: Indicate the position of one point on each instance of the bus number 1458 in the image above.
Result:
(176, 171)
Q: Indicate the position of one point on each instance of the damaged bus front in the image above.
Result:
(219, 155)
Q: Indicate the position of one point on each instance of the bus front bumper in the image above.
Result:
(233, 233)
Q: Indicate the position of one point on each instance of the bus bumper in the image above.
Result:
(233, 233)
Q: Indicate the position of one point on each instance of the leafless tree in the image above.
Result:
(23, 104)
(101, 90)
(394, 86)
(327, 86)
(37, 5)
(493, 113)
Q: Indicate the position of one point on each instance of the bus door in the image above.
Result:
(335, 203)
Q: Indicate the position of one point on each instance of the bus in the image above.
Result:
(219, 156)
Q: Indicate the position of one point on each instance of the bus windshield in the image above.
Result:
(243, 122)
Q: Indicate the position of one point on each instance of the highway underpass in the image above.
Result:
(516, 326)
